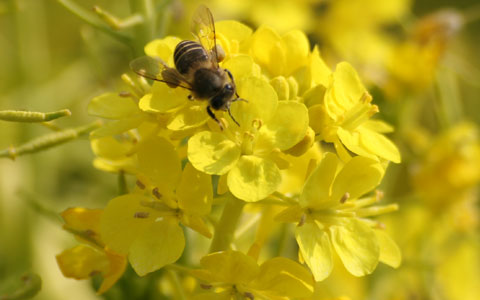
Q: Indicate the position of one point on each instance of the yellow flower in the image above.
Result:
(232, 274)
(247, 153)
(450, 170)
(330, 216)
(342, 116)
(92, 257)
(146, 224)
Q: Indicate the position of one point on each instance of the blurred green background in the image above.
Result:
(50, 60)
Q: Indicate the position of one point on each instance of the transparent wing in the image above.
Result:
(156, 69)
(203, 27)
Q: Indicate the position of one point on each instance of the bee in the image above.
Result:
(196, 68)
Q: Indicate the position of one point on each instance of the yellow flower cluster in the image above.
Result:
(187, 170)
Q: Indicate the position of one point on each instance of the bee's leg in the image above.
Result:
(239, 99)
(230, 113)
(212, 115)
(190, 97)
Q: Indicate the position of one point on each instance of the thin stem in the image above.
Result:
(143, 32)
(92, 19)
(122, 183)
(176, 284)
(225, 229)
(32, 116)
(48, 141)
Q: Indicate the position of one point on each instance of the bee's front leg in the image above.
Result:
(212, 115)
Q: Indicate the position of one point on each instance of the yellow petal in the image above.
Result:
(212, 152)
(118, 264)
(359, 176)
(320, 72)
(241, 66)
(229, 267)
(316, 249)
(316, 191)
(190, 116)
(194, 191)
(233, 30)
(253, 178)
(163, 98)
(297, 49)
(287, 127)
(110, 148)
(262, 102)
(82, 261)
(118, 126)
(112, 106)
(158, 159)
(268, 49)
(285, 278)
(119, 227)
(389, 252)
(160, 244)
(162, 48)
(197, 223)
(353, 142)
(379, 145)
(357, 246)
(84, 221)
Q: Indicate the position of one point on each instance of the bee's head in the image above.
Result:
(222, 100)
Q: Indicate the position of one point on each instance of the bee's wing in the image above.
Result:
(203, 28)
(156, 69)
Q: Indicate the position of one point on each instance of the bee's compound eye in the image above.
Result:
(229, 87)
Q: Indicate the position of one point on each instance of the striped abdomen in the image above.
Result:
(187, 54)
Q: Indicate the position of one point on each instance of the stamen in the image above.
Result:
(205, 286)
(140, 184)
(377, 210)
(156, 193)
(345, 197)
(141, 215)
(303, 218)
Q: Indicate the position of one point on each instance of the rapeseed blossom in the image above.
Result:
(187, 169)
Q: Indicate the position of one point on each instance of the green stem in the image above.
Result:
(225, 229)
(93, 20)
(144, 32)
(32, 116)
(48, 141)
(177, 286)
(122, 183)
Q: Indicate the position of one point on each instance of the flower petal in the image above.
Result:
(285, 278)
(112, 106)
(229, 267)
(158, 159)
(194, 192)
(160, 244)
(287, 127)
(118, 226)
(189, 116)
(316, 191)
(163, 98)
(253, 178)
(389, 252)
(359, 176)
(262, 102)
(212, 152)
(316, 249)
(379, 145)
(356, 245)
